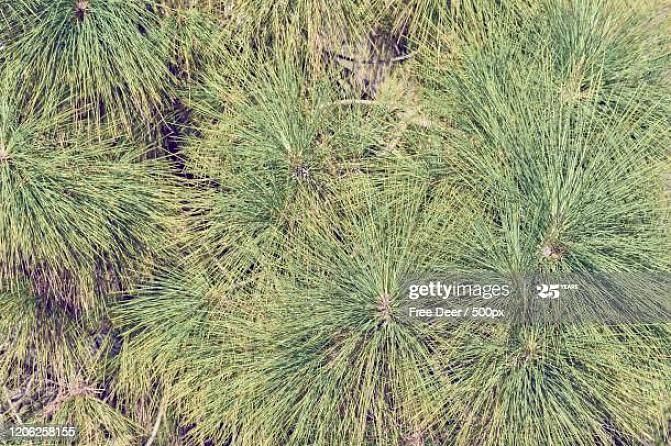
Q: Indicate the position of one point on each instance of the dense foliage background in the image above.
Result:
(209, 209)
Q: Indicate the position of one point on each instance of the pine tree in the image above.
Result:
(210, 213)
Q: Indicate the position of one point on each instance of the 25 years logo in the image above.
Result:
(548, 291)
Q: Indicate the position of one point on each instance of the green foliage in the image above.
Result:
(279, 137)
(210, 212)
(571, 386)
(313, 24)
(104, 59)
(329, 364)
(575, 174)
(597, 52)
(194, 40)
(98, 422)
(557, 170)
(80, 220)
(170, 344)
(76, 219)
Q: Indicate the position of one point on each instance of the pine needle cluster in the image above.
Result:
(210, 212)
